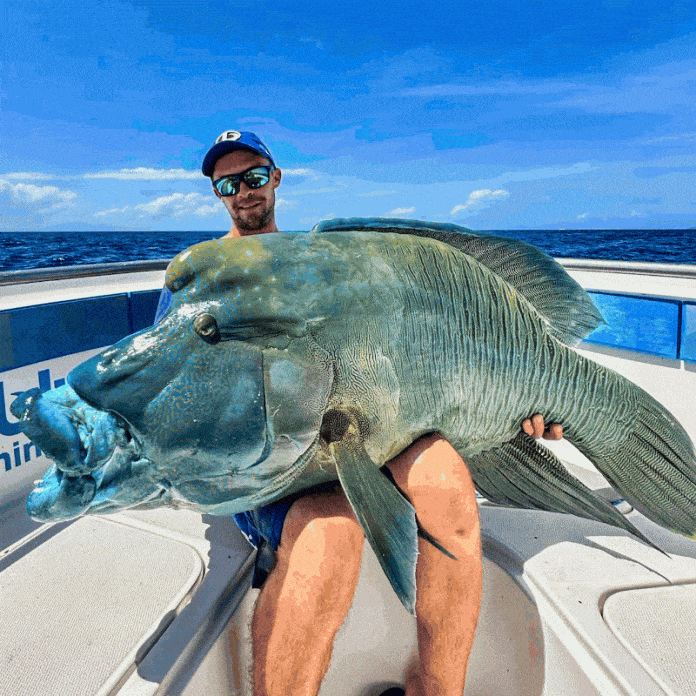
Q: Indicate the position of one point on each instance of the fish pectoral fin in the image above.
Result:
(522, 473)
(386, 517)
(425, 534)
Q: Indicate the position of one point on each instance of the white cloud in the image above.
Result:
(370, 194)
(112, 211)
(543, 173)
(666, 138)
(283, 203)
(503, 87)
(398, 212)
(147, 174)
(207, 210)
(311, 221)
(34, 197)
(27, 176)
(480, 199)
(663, 88)
(318, 43)
(301, 172)
(337, 188)
(27, 206)
(172, 205)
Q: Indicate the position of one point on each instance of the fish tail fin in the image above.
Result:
(654, 468)
(523, 473)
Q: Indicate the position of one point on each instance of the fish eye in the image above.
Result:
(205, 325)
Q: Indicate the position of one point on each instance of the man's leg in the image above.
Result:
(306, 597)
(438, 484)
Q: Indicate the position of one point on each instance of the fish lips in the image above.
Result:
(116, 484)
(61, 497)
(83, 442)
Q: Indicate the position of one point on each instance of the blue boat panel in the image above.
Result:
(688, 337)
(30, 335)
(143, 306)
(641, 324)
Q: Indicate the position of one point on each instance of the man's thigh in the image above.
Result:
(319, 517)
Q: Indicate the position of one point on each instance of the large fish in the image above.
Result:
(288, 360)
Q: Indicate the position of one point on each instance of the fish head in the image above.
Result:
(215, 407)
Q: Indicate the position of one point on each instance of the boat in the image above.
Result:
(142, 603)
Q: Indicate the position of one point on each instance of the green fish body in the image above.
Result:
(331, 352)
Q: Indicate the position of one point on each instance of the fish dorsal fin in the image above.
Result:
(542, 281)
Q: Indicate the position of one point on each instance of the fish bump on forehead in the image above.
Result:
(218, 262)
(279, 271)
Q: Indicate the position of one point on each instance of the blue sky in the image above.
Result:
(492, 115)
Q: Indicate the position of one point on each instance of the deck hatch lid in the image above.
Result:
(78, 610)
(657, 625)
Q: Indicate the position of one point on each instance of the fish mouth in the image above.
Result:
(61, 497)
(90, 449)
(65, 493)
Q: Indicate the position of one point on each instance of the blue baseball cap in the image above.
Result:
(229, 141)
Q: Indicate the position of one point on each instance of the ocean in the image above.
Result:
(26, 250)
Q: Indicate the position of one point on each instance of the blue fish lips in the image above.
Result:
(80, 439)
(47, 423)
(67, 429)
(61, 497)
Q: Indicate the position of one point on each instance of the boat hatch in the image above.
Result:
(656, 624)
(94, 596)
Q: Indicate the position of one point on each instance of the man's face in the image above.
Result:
(251, 210)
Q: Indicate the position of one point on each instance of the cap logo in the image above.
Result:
(228, 135)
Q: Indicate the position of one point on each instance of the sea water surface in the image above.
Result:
(26, 250)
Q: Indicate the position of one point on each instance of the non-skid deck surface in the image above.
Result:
(76, 611)
(658, 625)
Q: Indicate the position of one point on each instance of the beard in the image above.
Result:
(255, 220)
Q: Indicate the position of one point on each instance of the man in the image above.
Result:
(314, 537)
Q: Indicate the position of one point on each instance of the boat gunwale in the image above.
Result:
(41, 275)
(93, 270)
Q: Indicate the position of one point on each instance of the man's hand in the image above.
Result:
(535, 427)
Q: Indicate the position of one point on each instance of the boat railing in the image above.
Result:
(40, 275)
(648, 308)
(633, 267)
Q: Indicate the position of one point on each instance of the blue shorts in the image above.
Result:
(263, 528)
(265, 525)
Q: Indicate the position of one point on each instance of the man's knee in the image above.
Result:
(437, 481)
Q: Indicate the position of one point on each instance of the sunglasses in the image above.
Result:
(254, 178)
